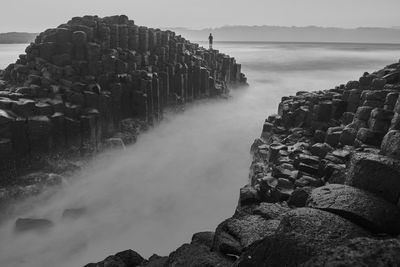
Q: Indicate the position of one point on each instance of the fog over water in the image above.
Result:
(184, 175)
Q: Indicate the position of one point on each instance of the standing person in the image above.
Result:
(210, 41)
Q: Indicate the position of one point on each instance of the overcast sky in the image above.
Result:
(37, 15)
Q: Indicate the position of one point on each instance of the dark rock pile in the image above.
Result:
(93, 79)
(324, 185)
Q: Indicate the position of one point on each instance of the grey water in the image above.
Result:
(184, 175)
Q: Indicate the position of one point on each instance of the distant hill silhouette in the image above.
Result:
(17, 37)
(294, 34)
(265, 34)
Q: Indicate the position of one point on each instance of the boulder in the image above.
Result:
(320, 149)
(333, 136)
(241, 231)
(359, 252)
(370, 137)
(130, 258)
(378, 83)
(301, 235)
(203, 238)
(196, 255)
(154, 261)
(299, 197)
(363, 113)
(375, 173)
(359, 206)
(391, 144)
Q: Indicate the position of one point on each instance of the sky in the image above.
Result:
(37, 15)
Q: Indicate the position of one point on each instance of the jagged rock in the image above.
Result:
(375, 173)
(359, 252)
(29, 224)
(301, 235)
(358, 206)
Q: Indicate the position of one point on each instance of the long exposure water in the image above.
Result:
(184, 175)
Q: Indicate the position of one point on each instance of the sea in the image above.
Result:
(184, 175)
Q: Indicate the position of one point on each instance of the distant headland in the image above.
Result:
(265, 33)
(17, 37)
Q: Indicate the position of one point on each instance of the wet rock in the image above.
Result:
(375, 173)
(358, 206)
(301, 235)
(29, 224)
(360, 252)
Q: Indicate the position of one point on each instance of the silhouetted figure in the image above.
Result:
(210, 41)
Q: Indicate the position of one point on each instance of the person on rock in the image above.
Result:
(210, 41)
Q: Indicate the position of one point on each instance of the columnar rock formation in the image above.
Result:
(85, 80)
(324, 185)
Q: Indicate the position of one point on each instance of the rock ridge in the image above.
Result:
(97, 82)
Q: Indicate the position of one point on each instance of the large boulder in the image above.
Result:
(391, 144)
(301, 235)
(375, 173)
(237, 233)
(360, 207)
(196, 256)
(360, 252)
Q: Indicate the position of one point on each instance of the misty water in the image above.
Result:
(184, 175)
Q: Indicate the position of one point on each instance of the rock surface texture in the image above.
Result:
(324, 184)
(96, 83)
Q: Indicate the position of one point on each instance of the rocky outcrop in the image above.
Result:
(324, 182)
(95, 83)
(360, 252)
